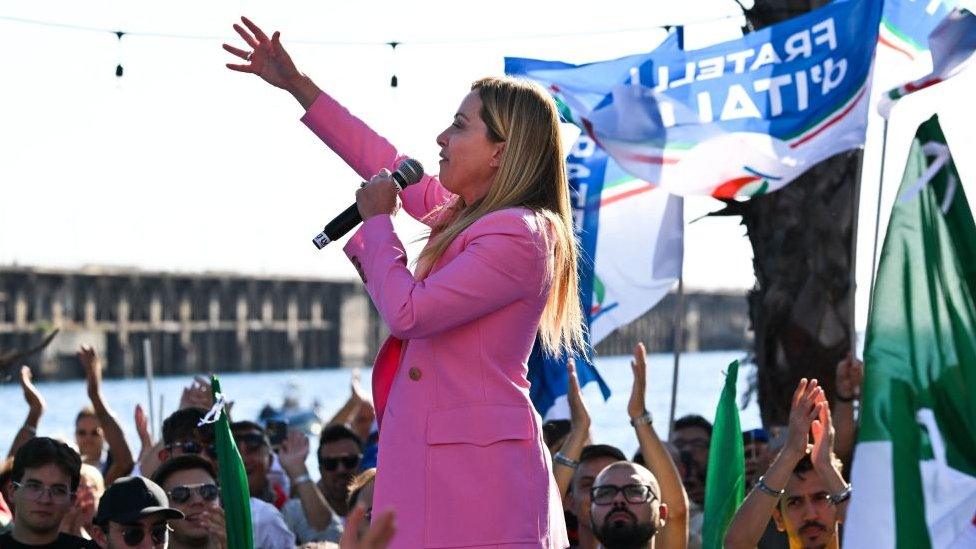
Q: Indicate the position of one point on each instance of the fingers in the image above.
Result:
(276, 39)
(236, 51)
(801, 388)
(258, 33)
(380, 531)
(350, 532)
(239, 68)
(247, 37)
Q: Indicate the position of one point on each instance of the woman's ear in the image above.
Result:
(498, 155)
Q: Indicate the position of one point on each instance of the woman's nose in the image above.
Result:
(442, 139)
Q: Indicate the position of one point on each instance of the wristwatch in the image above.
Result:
(842, 496)
(643, 419)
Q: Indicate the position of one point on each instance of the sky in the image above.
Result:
(181, 165)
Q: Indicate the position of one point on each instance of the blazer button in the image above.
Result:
(415, 374)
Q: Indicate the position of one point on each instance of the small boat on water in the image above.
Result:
(305, 418)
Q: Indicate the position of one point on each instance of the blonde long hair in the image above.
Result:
(532, 174)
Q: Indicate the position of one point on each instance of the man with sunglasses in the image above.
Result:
(626, 511)
(134, 512)
(190, 482)
(340, 454)
(45, 475)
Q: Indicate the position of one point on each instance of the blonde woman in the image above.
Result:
(461, 457)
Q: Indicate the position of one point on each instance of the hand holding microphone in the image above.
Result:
(373, 198)
(378, 196)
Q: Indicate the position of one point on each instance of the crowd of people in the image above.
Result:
(93, 492)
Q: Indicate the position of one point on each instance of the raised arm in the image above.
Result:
(357, 144)
(579, 433)
(850, 374)
(658, 459)
(357, 398)
(502, 260)
(117, 446)
(293, 452)
(35, 409)
(753, 516)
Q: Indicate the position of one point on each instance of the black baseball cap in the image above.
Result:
(131, 498)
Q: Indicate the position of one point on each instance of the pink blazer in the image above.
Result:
(461, 457)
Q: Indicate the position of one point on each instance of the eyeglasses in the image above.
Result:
(195, 448)
(251, 441)
(633, 493)
(34, 490)
(133, 535)
(347, 462)
(182, 494)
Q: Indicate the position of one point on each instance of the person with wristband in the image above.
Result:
(803, 489)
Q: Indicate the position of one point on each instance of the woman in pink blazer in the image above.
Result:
(461, 458)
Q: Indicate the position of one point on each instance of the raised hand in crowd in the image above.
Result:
(379, 535)
(357, 412)
(35, 409)
(121, 462)
(149, 452)
(267, 58)
(199, 394)
(850, 376)
(567, 458)
(292, 455)
(803, 489)
(658, 458)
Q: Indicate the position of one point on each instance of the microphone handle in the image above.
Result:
(343, 223)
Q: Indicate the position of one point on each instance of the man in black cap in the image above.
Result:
(134, 512)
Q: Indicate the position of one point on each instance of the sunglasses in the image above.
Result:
(347, 462)
(195, 448)
(633, 493)
(182, 494)
(134, 534)
(251, 441)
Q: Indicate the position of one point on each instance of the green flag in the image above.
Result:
(726, 479)
(234, 495)
(914, 473)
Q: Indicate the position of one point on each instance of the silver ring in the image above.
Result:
(363, 185)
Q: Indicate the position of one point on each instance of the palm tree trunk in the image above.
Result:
(800, 307)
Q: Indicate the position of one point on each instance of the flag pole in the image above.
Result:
(854, 224)
(877, 215)
(147, 359)
(679, 328)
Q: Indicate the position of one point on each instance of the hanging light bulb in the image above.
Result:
(119, 71)
(393, 79)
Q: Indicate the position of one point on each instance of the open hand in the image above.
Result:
(637, 406)
(198, 394)
(267, 58)
(93, 369)
(822, 430)
(358, 394)
(803, 411)
(33, 397)
(293, 452)
(579, 416)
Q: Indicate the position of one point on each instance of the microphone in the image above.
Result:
(407, 173)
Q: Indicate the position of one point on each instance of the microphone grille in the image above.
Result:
(411, 170)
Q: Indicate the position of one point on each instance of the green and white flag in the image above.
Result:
(726, 479)
(234, 495)
(914, 473)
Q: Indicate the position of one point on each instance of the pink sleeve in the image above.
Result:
(366, 152)
(503, 260)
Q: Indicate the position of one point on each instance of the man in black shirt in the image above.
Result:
(45, 477)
